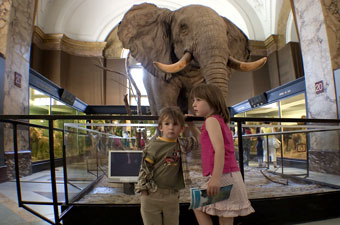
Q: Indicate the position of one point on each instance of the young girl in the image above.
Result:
(218, 158)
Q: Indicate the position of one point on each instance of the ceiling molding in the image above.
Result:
(89, 20)
(64, 43)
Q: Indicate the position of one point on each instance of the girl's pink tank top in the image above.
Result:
(207, 150)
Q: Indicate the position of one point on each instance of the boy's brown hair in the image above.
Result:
(171, 112)
(213, 95)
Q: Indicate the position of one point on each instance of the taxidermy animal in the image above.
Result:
(183, 48)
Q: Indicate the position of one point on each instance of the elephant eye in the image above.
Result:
(184, 28)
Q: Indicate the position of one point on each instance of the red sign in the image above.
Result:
(17, 79)
(319, 87)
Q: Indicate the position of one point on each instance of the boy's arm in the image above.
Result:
(145, 182)
(187, 144)
(196, 132)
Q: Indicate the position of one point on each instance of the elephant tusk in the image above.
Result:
(246, 66)
(175, 67)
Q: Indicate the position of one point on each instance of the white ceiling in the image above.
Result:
(93, 20)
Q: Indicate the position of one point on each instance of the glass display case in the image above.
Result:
(109, 148)
(43, 104)
(39, 103)
(294, 145)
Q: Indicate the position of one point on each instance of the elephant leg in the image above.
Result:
(165, 93)
(147, 80)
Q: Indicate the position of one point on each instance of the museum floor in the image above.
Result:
(35, 187)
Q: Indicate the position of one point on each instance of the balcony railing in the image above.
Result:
(84, 157)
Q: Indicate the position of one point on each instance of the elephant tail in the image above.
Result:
(246, 66)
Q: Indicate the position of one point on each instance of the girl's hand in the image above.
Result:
(213, 187)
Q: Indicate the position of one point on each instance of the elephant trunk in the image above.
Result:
(217, 73)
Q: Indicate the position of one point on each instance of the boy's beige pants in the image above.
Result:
(160, 207)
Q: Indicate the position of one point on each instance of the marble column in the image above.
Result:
(321, 103)
(19, 39)
(16, 29)
(331, 9)
(5, 7)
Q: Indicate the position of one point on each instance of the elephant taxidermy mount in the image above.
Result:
(183, 48)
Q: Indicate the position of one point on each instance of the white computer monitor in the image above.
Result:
(124, 165)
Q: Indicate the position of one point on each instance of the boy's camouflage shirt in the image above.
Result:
(145, 181)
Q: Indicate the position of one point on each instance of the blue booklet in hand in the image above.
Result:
(199, 197)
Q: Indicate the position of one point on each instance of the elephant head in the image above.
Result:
(183, 48)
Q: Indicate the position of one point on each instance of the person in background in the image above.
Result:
(246, 146)
(164, 170)
(268, 146)
(259, 148)
(126, 136)
(219, 163)
(142, 142)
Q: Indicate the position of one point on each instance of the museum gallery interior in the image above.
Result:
(82, 83)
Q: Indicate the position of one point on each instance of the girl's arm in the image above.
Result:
(215, 134)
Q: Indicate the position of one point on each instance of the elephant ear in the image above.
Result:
(145, 31)
(236, 37)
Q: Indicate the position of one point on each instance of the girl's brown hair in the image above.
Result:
(171, 112)
(213, 95)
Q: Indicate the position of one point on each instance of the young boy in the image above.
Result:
(164, 170)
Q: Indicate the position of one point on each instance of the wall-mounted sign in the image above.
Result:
(285, 92)
(67, 97)
(337, 89)
(258, 100)
(319, 87)
(17, 79)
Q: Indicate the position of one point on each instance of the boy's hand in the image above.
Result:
(144, 193)
(189, 120)
(191, 117)
(195, 131)
(188, 115)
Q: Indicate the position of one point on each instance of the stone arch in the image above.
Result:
(285, 25)
(291, 33)
(114, 46)
(253, 23)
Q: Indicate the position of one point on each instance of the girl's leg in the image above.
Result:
(203, 218)
(226, 220)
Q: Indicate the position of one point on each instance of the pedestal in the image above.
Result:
(129, 188)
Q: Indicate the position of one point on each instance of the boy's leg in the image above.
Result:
(203, 218)
(150, 211)
(171, 208)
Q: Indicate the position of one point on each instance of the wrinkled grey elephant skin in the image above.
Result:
(157, 34)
